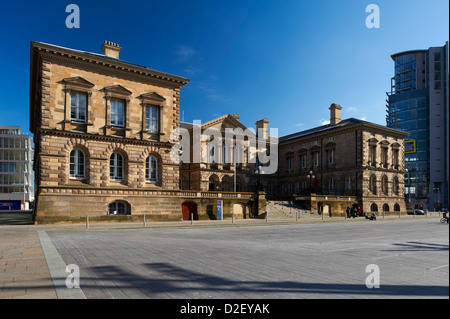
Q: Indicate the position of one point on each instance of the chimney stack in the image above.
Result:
(263, 124)
(335, 114)
(111, 49)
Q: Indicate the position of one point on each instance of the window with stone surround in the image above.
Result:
(384, 185)
(151, 169)
(77, 164)
(78, 92)
(117, 113)
(116, 167)
(373, 184)
(151, 118)
(119, 208)
(78, 107)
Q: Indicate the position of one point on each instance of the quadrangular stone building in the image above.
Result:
(344, 163)
(102, 132)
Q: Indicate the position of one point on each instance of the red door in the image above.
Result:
(187, 209)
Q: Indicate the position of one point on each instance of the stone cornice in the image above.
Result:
(104, 138)
(52, 52)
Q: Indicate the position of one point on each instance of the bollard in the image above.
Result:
(232, 218)
(267, 216)
(144, 221)
(192, 218)
(87, 221)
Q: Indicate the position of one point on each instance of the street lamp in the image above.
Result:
(258, 171)
(310, 176)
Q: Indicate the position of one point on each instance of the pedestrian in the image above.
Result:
(348, 212)
(359, 211)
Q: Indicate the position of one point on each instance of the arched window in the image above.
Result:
(151, 169)
(116, 167)
(396, 207)
(384, 185)
(374, 207)
(395, 186)
(373, 184)
(77, 164)
(119, 208)
(386, 208)
(214, 183)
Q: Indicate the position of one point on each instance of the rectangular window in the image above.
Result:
(117, 113)
(290, 166)
(151, 119)
(395, 159)
(78, 105)
(331, 185)
(331, 157)
(348, 184)
(303, 161)
(372, 154)
(316, 159)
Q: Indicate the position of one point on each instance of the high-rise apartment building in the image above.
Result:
(16, 171)
(418, 104)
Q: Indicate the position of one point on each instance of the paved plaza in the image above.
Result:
(246, 261)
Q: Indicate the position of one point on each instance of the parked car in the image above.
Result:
(419, 212)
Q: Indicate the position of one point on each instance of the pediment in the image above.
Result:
(152, 97)
(117, 89)
(385, 143)
(78, 81)
(373, 140)
(224, 122)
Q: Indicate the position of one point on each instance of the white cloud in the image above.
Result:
(324, 122)
(299, 124)
(352, 109)
(184, 53)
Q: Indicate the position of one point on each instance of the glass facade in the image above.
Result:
(409, 112)
(405, 73)
(16, 176)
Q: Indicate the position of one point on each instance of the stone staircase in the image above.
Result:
(285, 210)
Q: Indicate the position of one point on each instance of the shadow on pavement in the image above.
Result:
(16, 218)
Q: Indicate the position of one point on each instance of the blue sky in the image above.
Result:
(286, 60)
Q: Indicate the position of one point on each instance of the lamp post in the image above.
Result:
(310, 176)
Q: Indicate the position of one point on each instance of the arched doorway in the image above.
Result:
(188, 209)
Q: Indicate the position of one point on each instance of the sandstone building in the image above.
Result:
(347, 162)
(102, 132)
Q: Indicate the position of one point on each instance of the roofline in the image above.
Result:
(393, 56)
(333, 128)
(109, 61)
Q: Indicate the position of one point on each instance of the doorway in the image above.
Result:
(188, 209)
